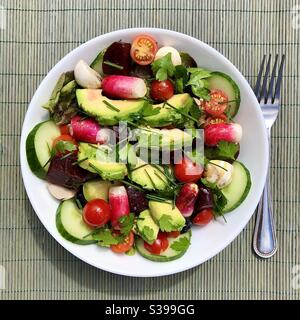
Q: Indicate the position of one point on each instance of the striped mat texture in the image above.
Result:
(35, 35)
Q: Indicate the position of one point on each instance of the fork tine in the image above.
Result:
(263, 93)
(271, 84)
(257, 85)
(279, 79)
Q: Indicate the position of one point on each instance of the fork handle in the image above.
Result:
(264, 238)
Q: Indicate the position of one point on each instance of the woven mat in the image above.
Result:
(35, 35)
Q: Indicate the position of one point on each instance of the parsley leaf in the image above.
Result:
(181, 78)
(126, 223)
(64, 146)
(105, 238)
(181, 245)
(227, 149)
(166, 223)
(147, 233)
(198, 82)
(163, 67)
(148, 110)
(220, 200)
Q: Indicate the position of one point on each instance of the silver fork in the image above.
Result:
(264, 237)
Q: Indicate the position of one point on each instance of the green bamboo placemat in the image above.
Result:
(36, 34)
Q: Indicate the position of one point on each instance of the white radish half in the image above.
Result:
(86, 77)
(175, 56)
(60, 193)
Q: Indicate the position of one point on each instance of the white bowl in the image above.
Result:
(207, 241)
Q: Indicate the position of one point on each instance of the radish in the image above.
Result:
(119, 204)
(214, 133)
(88, 130)
(123, 87)
(186, 198)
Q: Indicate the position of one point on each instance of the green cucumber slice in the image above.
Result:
(222, 81)
(169, 254)
(238, 189)
(38, 142)
(70, 224)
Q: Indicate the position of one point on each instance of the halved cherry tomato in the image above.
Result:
(217, 104)
(172, 234)
(96, 213)
(161, 90)
(222, 118)
(188, 171)
(143, 49)
(64, 137)
(125, 246)
(204, 217)
(64, 129)
(159, 245)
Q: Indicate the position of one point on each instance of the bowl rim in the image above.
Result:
(171, 33)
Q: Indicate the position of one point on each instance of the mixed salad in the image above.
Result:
(140, 146)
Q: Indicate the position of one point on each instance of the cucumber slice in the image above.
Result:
(37, 146)
(97, 63)
(222, 81)
(169, 254)
(238, 189)
(70, 225)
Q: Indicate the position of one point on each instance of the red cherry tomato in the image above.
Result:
(220, 119)
(217, 104)
(188, 171)
(96, 213)
(159, 245)
(172, 234)
(204, 217)
(64, 129)
(143, 49)
(125, 246)
(161, 90)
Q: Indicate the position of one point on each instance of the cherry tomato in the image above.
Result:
(172, 234)
(96, 213)
(159, 245)
(217, 104)
(64, 137)
(161, 90)
(188, 171)
(143, 49)
(222, 118)
(64, 129)
(204, 217)
(125, 246)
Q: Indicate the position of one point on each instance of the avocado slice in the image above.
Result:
(170, 139)
(97, 189)
(92, 102)
(167, 115)
(147, 227)
(148, 176)
(94, 159)
(168, 218)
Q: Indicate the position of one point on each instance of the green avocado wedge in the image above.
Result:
(70, 224)
(181, 244)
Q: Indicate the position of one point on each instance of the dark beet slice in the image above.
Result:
(188, 225)
(144, 72)
(205, 199)
(118, 53)
(80, 197)
(62, 172)
(137, 200)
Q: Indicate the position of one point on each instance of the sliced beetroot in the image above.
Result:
(117, 53)
(137, 200)
(144, 72)
(205, 199)
(62, 172)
